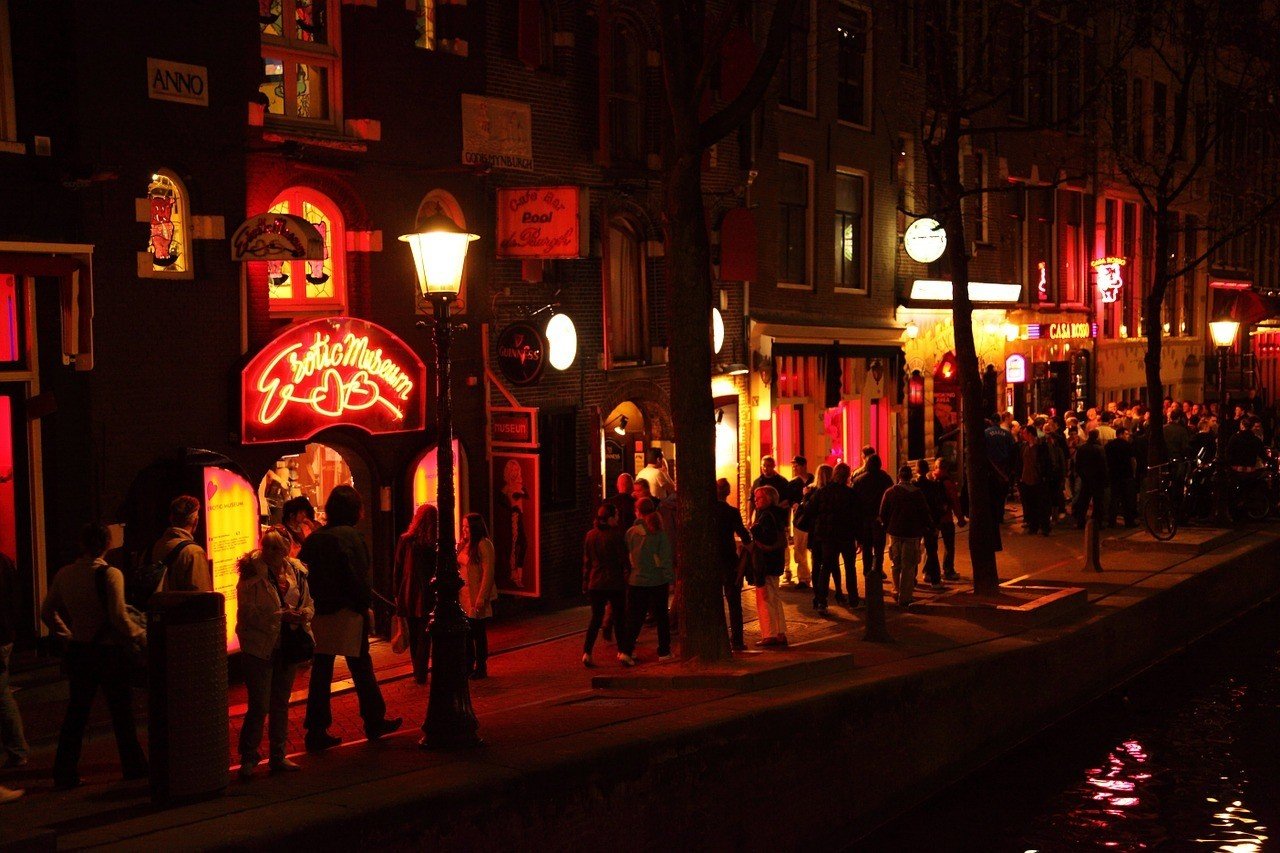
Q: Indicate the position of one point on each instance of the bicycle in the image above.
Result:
(1159, 514)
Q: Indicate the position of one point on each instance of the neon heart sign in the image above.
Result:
(336, 371)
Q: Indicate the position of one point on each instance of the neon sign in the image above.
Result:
(1109, 278)
(1015, 368)
(1061, 331)
(331, 372)
(1042, 286)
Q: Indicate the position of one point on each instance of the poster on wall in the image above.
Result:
(497, 133)
(514, 522)
(231, 530)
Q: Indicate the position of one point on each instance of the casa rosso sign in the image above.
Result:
(541, 223)
(334, 371)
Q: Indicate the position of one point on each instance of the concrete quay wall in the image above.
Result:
(811, 765)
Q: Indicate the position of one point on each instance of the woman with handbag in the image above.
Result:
(476, 559)
(415, 568)
(273, 622)
(768, 544)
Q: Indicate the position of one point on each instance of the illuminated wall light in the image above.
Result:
(717, 331)
(562, 341)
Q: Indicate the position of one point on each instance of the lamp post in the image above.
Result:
(1223, 333)
(439, 250)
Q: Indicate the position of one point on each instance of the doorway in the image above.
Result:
(15, 501)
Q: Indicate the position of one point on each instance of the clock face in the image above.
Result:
(925, 241)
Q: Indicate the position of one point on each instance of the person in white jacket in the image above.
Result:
(273, 597)
(475, 564)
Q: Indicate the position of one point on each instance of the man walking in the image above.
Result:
(800, 489)
(728, 525)
(1121, 465)
(904, 513)
(1091, 468)
(186, 564)
(868, 493)
(836, 528)
(939, 493)
(337, 560)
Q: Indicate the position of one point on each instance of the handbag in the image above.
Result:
(296, 645)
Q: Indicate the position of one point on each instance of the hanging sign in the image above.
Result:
(925, 241)
(1109, 278)
(542, 223)
(277, 237)
(514, 427)
(1015, 368)
(521, 352)
(335, 371)
(177, 81)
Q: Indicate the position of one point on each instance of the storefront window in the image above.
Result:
(10, 319)
(169, 242)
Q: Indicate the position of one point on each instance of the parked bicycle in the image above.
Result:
(1160, 502)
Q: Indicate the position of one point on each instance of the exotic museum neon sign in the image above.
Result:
(331, 372)
(1109, 278)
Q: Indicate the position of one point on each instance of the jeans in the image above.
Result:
(268, 683)
(732, 587)
(477, 646)
(904, 553)
(1095, 493)
(373, 710)
(615, 599)
(800, 552)
(773, 620)
(11, 737)
(419, 646)
(91, 666)
(640, 601)
(933, 571)
(829, 566)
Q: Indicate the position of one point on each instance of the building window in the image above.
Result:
(978, 202)
(170, 223)
(8, 121)
(1136, 120)
(1071, 260)
(1159, 117)
(302, 67)
(851, 231)
(903, 176)
(626, 313)
(908, 55)
(794, 218)
(796, 68)
(424, 20)
(535, 36)
(853, 67)
(626, 104)
(318, 286)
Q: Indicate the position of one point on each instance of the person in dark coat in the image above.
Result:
(605, 565)
(1091, 468)
(1124, 489)
(337, 560)
(868, 491)
(624, 502)
(729, 525)
(414, 569)
(835, 526)
(933, 485)
(904, 515)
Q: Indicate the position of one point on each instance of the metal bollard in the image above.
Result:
(187, 663)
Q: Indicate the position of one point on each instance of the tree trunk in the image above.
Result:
(1156, 450)
(704, 635)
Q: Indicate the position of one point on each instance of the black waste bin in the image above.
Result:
(187, 663)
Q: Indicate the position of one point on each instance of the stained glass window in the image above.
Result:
(301, 63)
(315, 285)
(169, 242)
(425, 20)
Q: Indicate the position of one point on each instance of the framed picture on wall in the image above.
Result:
(514, 523)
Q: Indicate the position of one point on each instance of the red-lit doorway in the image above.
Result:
(15, 500)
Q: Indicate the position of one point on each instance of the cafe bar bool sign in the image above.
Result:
(542, 223)
(335, 371)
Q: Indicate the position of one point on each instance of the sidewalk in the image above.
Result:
(537, 707)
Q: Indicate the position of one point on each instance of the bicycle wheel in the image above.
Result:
(1255, 503)
(1158, 516)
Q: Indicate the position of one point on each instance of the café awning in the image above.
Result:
(1247, 307)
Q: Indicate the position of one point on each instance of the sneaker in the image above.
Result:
(320, 741)
(8, 795)
(668, 656)
(586, 660)
(382, 728)
(284, 765)
(626, 660)
(246, 769)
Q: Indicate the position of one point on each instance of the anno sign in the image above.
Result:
(542, 222)
(177, 81)
(334, 371)
(277, 237)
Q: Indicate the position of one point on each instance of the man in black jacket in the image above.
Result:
(337, 560)
(868, 491)
(1124, 489)
(1091, 468)
(728, 525)
(835, 526)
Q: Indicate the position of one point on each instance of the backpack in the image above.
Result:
(144, 580)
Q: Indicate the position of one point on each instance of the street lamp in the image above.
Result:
(1223, 333)
(439, 251)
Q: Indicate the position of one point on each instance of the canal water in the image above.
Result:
(1185, 757)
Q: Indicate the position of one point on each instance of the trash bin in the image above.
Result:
(187, 663)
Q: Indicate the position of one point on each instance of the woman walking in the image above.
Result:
(652, 571)
(769, 543)
(415, 567)
(476, 560)
(273, 622)
(604, 573)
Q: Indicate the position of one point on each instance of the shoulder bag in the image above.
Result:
(296, 644)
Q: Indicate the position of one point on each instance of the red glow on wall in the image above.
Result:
(335, 371)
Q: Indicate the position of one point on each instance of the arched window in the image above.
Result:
(297, 287)
(169, 218)
(442, 201)
(625, 303)
(626, 97)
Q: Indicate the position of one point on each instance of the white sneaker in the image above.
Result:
(587, 662)
(8, 795)
(626, 660)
